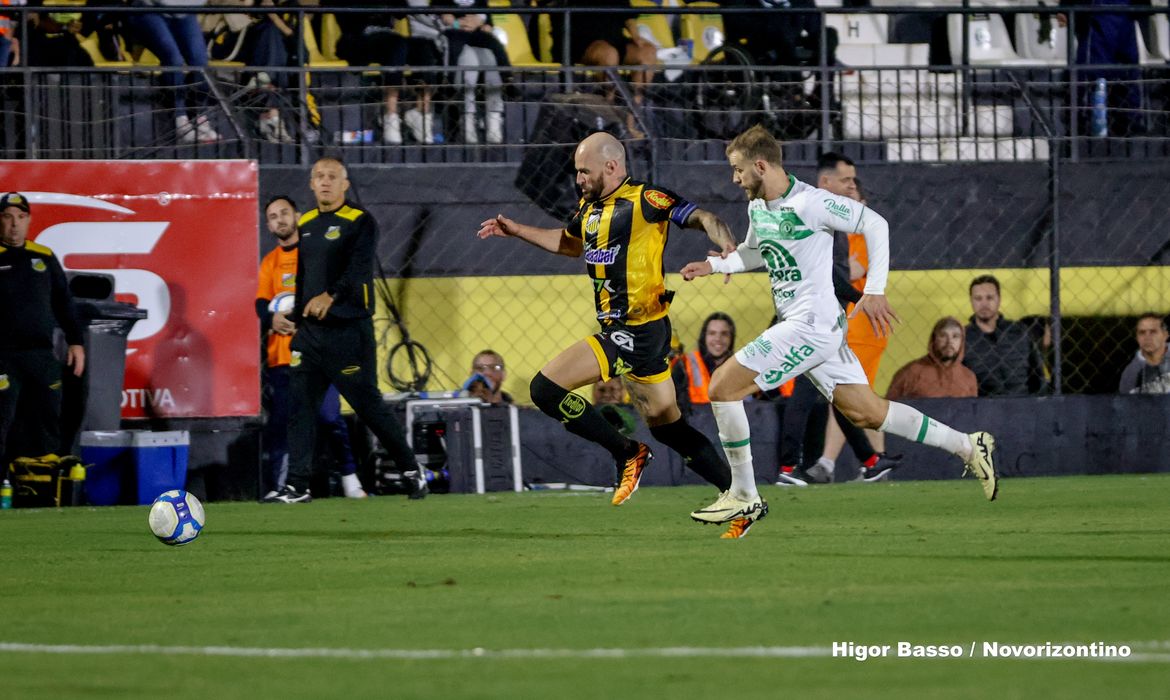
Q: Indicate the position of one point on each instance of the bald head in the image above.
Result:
(600, 161)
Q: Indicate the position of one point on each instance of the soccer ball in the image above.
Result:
(176, 517)
(282, 303)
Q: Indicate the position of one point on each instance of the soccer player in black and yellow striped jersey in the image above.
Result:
(621, 228)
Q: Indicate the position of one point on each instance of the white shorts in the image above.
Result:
(791, 348)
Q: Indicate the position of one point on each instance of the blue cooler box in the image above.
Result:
(133, 466)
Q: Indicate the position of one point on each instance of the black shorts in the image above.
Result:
(638, 353)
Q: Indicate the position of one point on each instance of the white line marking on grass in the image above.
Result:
(1140, 655)
(415, 654)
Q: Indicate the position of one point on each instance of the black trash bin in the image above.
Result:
(94, 401)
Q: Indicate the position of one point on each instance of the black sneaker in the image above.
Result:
(881, 469)
(792, 477)
(419, 481)
(288, 494)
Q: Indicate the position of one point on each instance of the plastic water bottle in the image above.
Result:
(1099, 126)
(77, 479)
(5, 495)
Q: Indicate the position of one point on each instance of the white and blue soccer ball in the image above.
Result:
(282, 303)
(176, 517)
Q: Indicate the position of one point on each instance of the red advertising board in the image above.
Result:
(179, 237)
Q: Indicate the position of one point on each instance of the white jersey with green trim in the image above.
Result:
(794, 237)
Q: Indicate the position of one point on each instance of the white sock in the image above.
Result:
(735, 436)
(827, 464)
(910, 423)
(350, 483)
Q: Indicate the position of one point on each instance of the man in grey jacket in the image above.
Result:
(1149, 372)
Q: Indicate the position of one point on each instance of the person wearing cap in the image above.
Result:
(36, 300)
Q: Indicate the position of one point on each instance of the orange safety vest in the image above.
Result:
(7, 25)
(698, 378)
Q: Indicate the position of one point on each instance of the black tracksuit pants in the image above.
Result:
(30, 380)
(340, 353)
(797, 409)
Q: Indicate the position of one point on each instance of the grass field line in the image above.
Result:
(1149, 652)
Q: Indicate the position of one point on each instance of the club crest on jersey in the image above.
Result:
(333, 233)
(38, 265)
(295, 359)
(4, 383)
(288, 279)
(602, 256)
(659, 200)
(837, 209)
(593, 222)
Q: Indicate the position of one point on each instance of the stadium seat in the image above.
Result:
(988, 42)
(544, 38)
(653, 28)
(510, 30)
(967, 149)
(1160, 36)
(860, 29)
(893, 55)
(330, 35)
(1049, 49)
(705, 31)
(90, 44)
(316, 58)
(1146, 57)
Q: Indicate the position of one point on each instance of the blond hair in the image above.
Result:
(757, 144)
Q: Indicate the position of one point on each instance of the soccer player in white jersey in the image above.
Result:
(790, 233)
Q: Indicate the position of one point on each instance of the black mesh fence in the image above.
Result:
(1050, 176)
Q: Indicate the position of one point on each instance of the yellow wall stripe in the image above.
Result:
(531, 319)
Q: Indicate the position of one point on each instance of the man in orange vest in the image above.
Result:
(9, 43)
(838, 175)
(692, 370)
(837, 171)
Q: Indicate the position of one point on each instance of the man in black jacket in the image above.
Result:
(334, 340)
(36, 300)
(1000, 352)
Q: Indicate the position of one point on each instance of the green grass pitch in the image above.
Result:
(552, 576)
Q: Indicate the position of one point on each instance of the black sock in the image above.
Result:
(579, 417)
(697, 451)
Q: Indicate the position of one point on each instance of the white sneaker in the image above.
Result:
(415, 121)
(204, 132)
(728, 507)
(392, 129)
(470, 132)
(982, 463)
(352, 486)
(273, 130)
(184, 131)
(428, 128)
(495, 128)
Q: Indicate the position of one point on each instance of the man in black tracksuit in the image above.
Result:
(334, 340)
(34, 299)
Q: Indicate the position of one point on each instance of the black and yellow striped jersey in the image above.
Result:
(624, 235)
